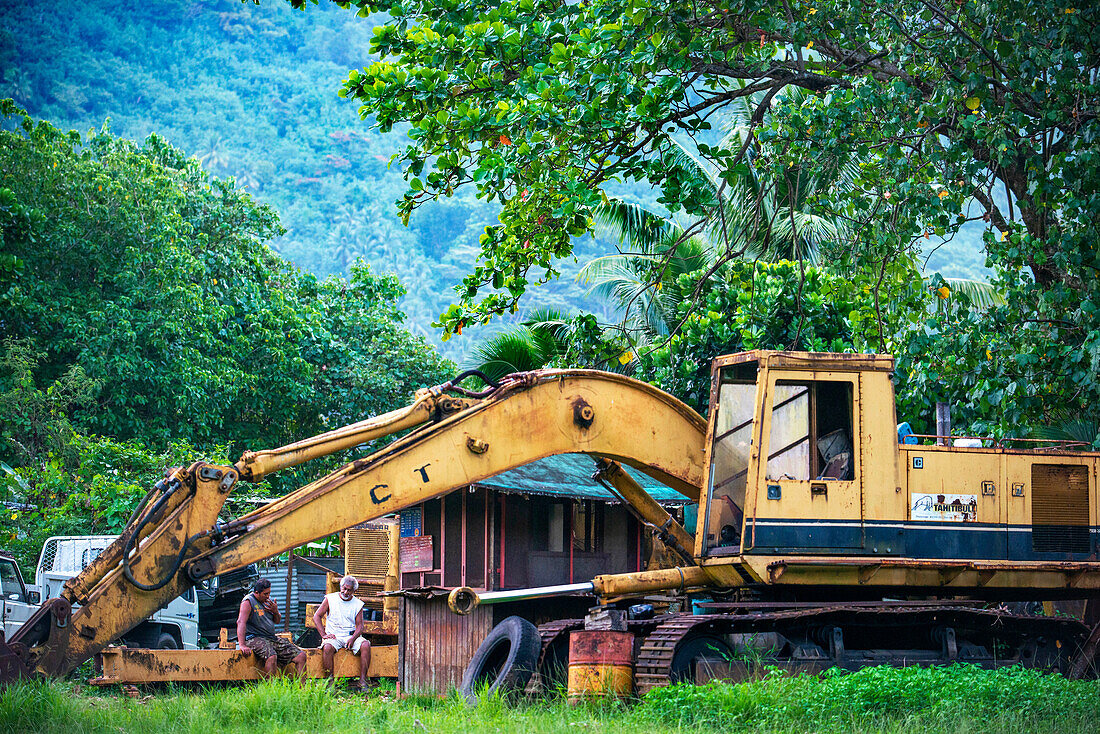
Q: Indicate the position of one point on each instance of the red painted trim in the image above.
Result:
(443, 541)
(465, 537)
(487, 575)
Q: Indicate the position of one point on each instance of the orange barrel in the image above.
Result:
(601, 663)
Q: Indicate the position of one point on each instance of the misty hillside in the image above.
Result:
(251, 90)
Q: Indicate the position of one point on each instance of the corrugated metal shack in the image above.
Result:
(544, 523)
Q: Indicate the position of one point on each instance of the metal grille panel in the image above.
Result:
(1060, 508)
(367, 552)
(49, 552)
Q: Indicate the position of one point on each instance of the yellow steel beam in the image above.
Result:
(630, 584)
(255, 465)
(552, 412)
(637, 498)
(531, 416)
(113, 606)
(129, 665)
(1039, 576)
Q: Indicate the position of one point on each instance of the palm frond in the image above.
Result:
(1085, 430)
(981, 294)
(515, 350)
(634, 224)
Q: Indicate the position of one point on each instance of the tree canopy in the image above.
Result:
(129, 264)
(950, 111)
(146, 322)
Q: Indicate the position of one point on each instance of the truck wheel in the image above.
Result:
(167, 642)
(505, 659)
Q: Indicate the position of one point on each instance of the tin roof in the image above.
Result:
(570, 475)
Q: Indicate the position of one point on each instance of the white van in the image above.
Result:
(176, 626)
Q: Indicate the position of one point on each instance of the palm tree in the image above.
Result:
(750, 215)
(536, 342)
(745, 217)
(1067, 427)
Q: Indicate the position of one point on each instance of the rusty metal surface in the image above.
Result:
(596, 647)
(810, 360)
(439, 644)
(12, 666)
(114, 605)
(991, 574)
(120, 665)
(1085, 664)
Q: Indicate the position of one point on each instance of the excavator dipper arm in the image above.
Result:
(175, 539)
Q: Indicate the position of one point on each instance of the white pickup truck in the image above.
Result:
(174, 627)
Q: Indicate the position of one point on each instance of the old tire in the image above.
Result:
(505, 659)
(167, 642)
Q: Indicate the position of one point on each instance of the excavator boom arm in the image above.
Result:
(175, 539)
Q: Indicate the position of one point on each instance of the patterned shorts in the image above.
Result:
(265, 647)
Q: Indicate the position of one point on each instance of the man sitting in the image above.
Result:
(343, 628)
(256, 632)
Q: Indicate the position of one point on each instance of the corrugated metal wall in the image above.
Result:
(438, 643)
(277, 576)
(307, 586)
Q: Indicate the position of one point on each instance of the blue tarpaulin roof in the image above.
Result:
(570, 475)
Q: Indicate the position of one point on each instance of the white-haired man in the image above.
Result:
(342, 628)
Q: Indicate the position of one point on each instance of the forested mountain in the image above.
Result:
(251, 91)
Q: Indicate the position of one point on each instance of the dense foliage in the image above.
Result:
(91, 487)
(910, 701)
(948, 111)
(134, 266)
(756, 306)
(140, 301)
(250, 90)
(963, 697)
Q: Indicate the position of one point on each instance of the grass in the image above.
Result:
(907, 701)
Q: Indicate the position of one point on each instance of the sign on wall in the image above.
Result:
(416, 554)
(944, 507)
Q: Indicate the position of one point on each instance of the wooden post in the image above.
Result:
(943, 424)
(289, 574)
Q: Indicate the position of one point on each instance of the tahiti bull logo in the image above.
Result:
(945, 507)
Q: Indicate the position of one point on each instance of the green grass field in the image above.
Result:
(955, 699)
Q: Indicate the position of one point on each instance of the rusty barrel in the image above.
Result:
(601, 663)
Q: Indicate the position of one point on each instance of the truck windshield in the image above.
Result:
(9, 580)
(730, 456)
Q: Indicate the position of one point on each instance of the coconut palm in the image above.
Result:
(745, 217)
(536, 342)
(751, 214)
(1067, 427)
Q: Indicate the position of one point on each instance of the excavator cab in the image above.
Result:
(787, 453)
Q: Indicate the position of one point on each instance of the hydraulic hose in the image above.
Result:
(453, 384)
(171, 487)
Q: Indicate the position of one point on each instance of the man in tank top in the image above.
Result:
(343, 627)
(256, 632)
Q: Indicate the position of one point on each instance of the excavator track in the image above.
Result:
(550, 633)
(986, 637)
(555, 646)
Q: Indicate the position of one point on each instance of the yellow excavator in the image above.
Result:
(813, 509)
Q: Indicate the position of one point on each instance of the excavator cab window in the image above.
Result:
(733, 416)
(811, 430)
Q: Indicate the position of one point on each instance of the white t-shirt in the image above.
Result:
(341, 614)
